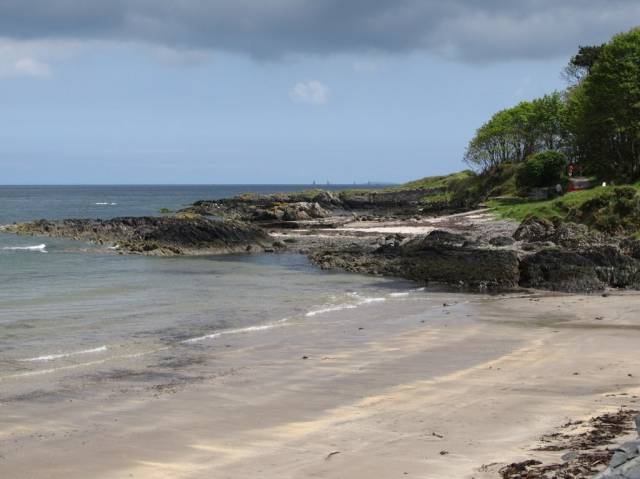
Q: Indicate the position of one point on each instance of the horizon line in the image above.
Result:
(371, 183)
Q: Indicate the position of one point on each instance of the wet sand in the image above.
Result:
(408, 387)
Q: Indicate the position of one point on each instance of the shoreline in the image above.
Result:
(379, 394)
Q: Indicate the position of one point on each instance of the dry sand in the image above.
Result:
(422, 390)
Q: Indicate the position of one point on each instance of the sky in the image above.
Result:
(272, 91)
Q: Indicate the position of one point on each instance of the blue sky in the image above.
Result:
(112, 108)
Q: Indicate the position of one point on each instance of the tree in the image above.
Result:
(604, 111)
(513, 134)
(581, 64)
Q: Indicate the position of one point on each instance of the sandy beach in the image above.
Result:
(429, 385)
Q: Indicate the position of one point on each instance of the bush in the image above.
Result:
(615, 212)
(541, 170)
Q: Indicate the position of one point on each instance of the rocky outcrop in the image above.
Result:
(501, 241)
(566, 257)
(567, 235)
(631, 247)
(155, 235)
(559, 271)
(437, 258)
(625, 463)
(300, 205)
(572, 258)
(273, 209)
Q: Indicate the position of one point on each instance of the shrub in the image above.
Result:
(541, 169)
(615, 212)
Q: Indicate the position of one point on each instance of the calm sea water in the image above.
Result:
(67, 304)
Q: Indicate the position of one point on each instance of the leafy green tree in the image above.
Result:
(604, 111)
(581, 64)
(512, 135)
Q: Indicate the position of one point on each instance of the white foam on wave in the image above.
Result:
(41, 248)
(372, 300)
(81, 365)
(340, 307)
(104, 203)
(248, 329)
(53, 357)
(399, 295)
(329, 309)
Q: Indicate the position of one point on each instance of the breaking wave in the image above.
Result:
(41, 248)
(52, 357)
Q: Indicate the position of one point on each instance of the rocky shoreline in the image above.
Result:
(376, 233)
(159, 236)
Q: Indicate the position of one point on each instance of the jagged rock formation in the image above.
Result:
(155, 235)
(440, 257)
(276, 209)
(542, 255)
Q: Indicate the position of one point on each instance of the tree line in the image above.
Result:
(595, 122)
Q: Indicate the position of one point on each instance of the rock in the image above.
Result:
(614, 268)
(567, 235)
(166, 235)
(501, 241)
(421, 261)
(579, 271)
(631, 247)
(625, 463)
(575, 236)
(534, 229)
(435, 238)
(559, 271)
(471, 267)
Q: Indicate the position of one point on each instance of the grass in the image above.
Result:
(436, 198)
(549, 209)
(433, 182)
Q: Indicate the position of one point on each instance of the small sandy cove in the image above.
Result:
(409, 387)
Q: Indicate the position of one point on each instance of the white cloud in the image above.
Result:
(28, 66)
(311, 92)
(33, 58)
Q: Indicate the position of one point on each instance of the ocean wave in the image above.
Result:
(41, 248)
(329, 309)
(372, 300)
(104, 203)
(81, 365)
(52, 357)
(340, 307)
(248, 329)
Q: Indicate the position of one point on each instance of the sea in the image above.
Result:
(67, 305)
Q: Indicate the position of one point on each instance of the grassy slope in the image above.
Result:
(433, 182)
(558, 207)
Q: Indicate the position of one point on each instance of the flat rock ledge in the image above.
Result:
(159, 236)
(424, 261)
(563, 257)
